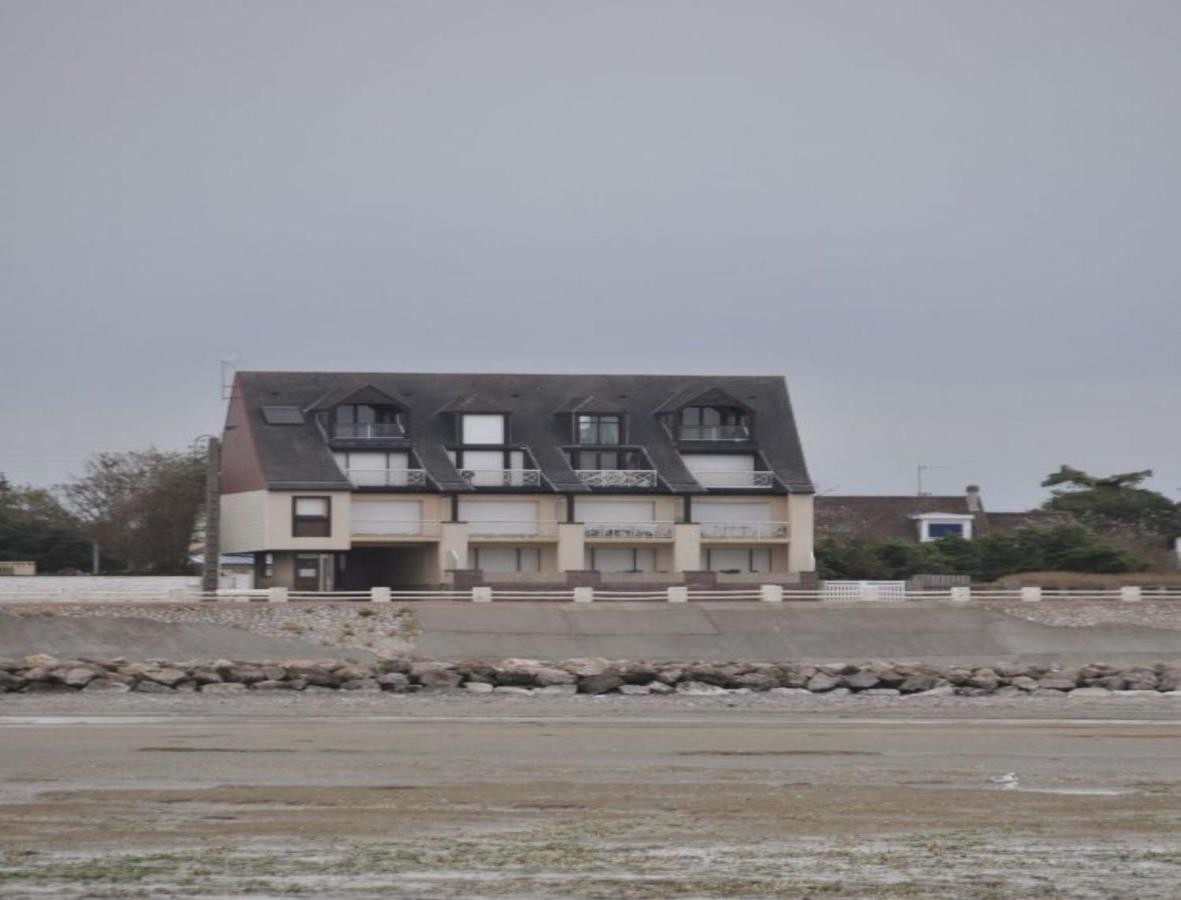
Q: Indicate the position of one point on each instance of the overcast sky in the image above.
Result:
(954, 226)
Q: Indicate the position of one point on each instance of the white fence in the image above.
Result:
(187, 590)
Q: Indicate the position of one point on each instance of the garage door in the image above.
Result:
(499, 516)
(387, 517)
(614, 511)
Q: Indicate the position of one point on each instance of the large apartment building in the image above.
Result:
(345, 481)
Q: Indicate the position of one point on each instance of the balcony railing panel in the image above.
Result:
(757, 531)
(739, 479)
(502, 477)
(523, 529)
(713, 433)
(636, 531)
(394, 527)
(367, 431)
(618, 478)
(386, 477)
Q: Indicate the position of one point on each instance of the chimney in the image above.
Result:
(973, 497)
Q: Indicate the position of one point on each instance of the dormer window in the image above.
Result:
(366, 421)
(483, 428)
(713, 423)
(599, 429)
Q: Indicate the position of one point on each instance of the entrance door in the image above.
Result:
(307, 573)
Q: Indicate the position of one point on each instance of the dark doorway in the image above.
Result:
(397, 567)
(307, 573)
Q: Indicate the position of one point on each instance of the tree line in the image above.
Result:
(140, 508)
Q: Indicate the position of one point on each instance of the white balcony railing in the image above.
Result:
(750, 531)
(713, 433)
(386, 477)
(523, 529)
(392, 527)
(367, 431)
(635, 531)
(502, 477)
(739, 479)
(624, 478)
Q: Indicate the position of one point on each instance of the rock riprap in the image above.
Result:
(42, 673)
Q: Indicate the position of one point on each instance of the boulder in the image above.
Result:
(984, 679)
(699, 688)
(106, 686)
(1057, 681)
(861, 680)
(790, 692)
(396, 682)
(917, 684)
(822, 682)
(1025, 683)
(1168, 679)
(273, 685)
(474, 687)
(881, 692)
(359, 671)
(603, 683)
(438, 678)
(659, 687)
(79, 676)
(586, 667)
(361, 684)
(756, 681)
(1140, 680)
(513, 689)
(10, 682)
(556, 690)
(634, 690)
(168, 677)
(41, 661)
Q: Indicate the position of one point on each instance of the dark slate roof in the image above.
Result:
(871, 518)
(298, 456)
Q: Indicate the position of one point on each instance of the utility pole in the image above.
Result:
(211, 569)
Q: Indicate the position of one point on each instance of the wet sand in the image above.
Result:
(454, 796)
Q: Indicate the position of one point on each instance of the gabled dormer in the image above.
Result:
(710, 416)
(360, 413)
(594, 422)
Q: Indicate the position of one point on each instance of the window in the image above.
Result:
(365, 468)
(713, 423)
(936, 530)
(738, 559)
(483, 429)
(366, 420)
(264, 566)
(596, 429)
(606, 459)
(621, 559)
(506, 559)
(311, 516)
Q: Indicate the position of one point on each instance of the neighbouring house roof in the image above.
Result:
(297, 456)
(874, 518)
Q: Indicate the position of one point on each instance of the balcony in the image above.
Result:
(745, 531)
(617, 478)
(739, 480)
(502, 478)
(386, 528)
(529, 528)
(370, 431)
(391, 478)
(713, 433)
(628, 531)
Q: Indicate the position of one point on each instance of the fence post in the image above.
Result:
(1130, 594)
(678, 594)
(1031, 595)
(771, 593)
(961, 594)
(584, 595)
(276, 595)
(379, 595)
(868, 592)
(481, 595)
(177, 595)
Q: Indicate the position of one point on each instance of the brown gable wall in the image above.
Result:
(241, 469)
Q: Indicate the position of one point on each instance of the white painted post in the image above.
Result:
(481, 595)
(584, 595)
(961, 594)
(771, 593)
(1130, 594)
(1031, 595)
(868, 593)
(678, 594)
(379, 595)
(177, 595)
(277, 595)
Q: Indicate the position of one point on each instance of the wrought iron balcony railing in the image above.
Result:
(386, 477)
(636, 531)
(713, 433)
(618, 478)
(757, 531)
(738, 479)
(368, 431)
(502, 477)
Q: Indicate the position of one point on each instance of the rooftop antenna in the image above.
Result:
(228, 368)
(923, 467)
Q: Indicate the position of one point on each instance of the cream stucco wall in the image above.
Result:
(278, 522)
(244, 522)
(799, 517)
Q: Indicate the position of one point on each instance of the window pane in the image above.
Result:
(586, 430)
(344, 415)
(365, 414)
(609, 430)
(483, 429)
(311, 506)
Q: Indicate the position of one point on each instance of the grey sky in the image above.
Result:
(955, 226)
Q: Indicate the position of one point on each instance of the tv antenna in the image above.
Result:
(920, 469)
